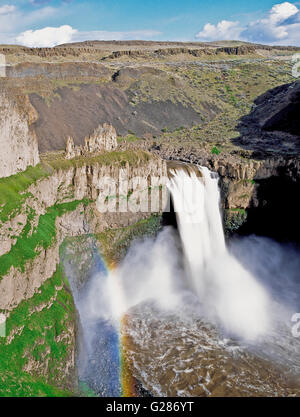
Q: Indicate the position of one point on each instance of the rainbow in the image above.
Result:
(126, 379)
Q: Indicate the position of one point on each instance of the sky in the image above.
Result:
(42, 23)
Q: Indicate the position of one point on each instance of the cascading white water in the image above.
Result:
(196, 203)
(222, 284)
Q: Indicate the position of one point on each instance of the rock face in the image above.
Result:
(277, 110)
(104, 138)
(258, 196)
(273, 125)
(109, 102)
(74, 184)
(18, 143)
(65, 70)
(239, 50)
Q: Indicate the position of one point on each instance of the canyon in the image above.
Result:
(72, 115)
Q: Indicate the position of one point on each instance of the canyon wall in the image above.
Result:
(259, 196)
(18, 142)
(80, 185)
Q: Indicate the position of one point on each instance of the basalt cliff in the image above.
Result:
(18, 142)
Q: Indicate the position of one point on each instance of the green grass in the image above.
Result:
(27, 246)
(215, 151)
(35, 340)
(117, 158)
(232, 97)
(228, 94)
(129, 138)
(238, 210)
(13, 190)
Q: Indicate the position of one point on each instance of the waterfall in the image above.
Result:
(196, 203)
(223, 285)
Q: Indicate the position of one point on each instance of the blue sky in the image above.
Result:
(49, 22)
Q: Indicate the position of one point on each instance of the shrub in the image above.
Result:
(215, 151)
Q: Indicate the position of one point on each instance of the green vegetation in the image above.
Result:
(238, 210)
(215, 151)
(247, 181)
(221, 94)
(118, 158)
(38, 331)
(28, 245)
(234, 219)
(232, 97)
(85, 390)
(12, 190)
(129, 138)
(179, 129)
(115, 242)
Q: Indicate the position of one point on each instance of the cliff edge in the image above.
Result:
(18, 142)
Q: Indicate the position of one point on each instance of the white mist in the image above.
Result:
(223, 285)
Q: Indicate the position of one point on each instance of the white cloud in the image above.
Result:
(52, 36)
(280, 12)
(13, 19)
(281, 25)
(224, 30)
(46, 37)
(6, 9)
(274, 28)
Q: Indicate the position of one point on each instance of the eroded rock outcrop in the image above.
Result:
(104, 138)
(18, 142)
(199, 52)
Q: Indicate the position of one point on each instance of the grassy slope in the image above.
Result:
(115, 158)
(27, 246)
(232, 88)
(13, 190)
(37, 341)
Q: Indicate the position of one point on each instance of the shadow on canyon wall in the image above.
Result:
(272, 127)
(272, 130)
(277, 213)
